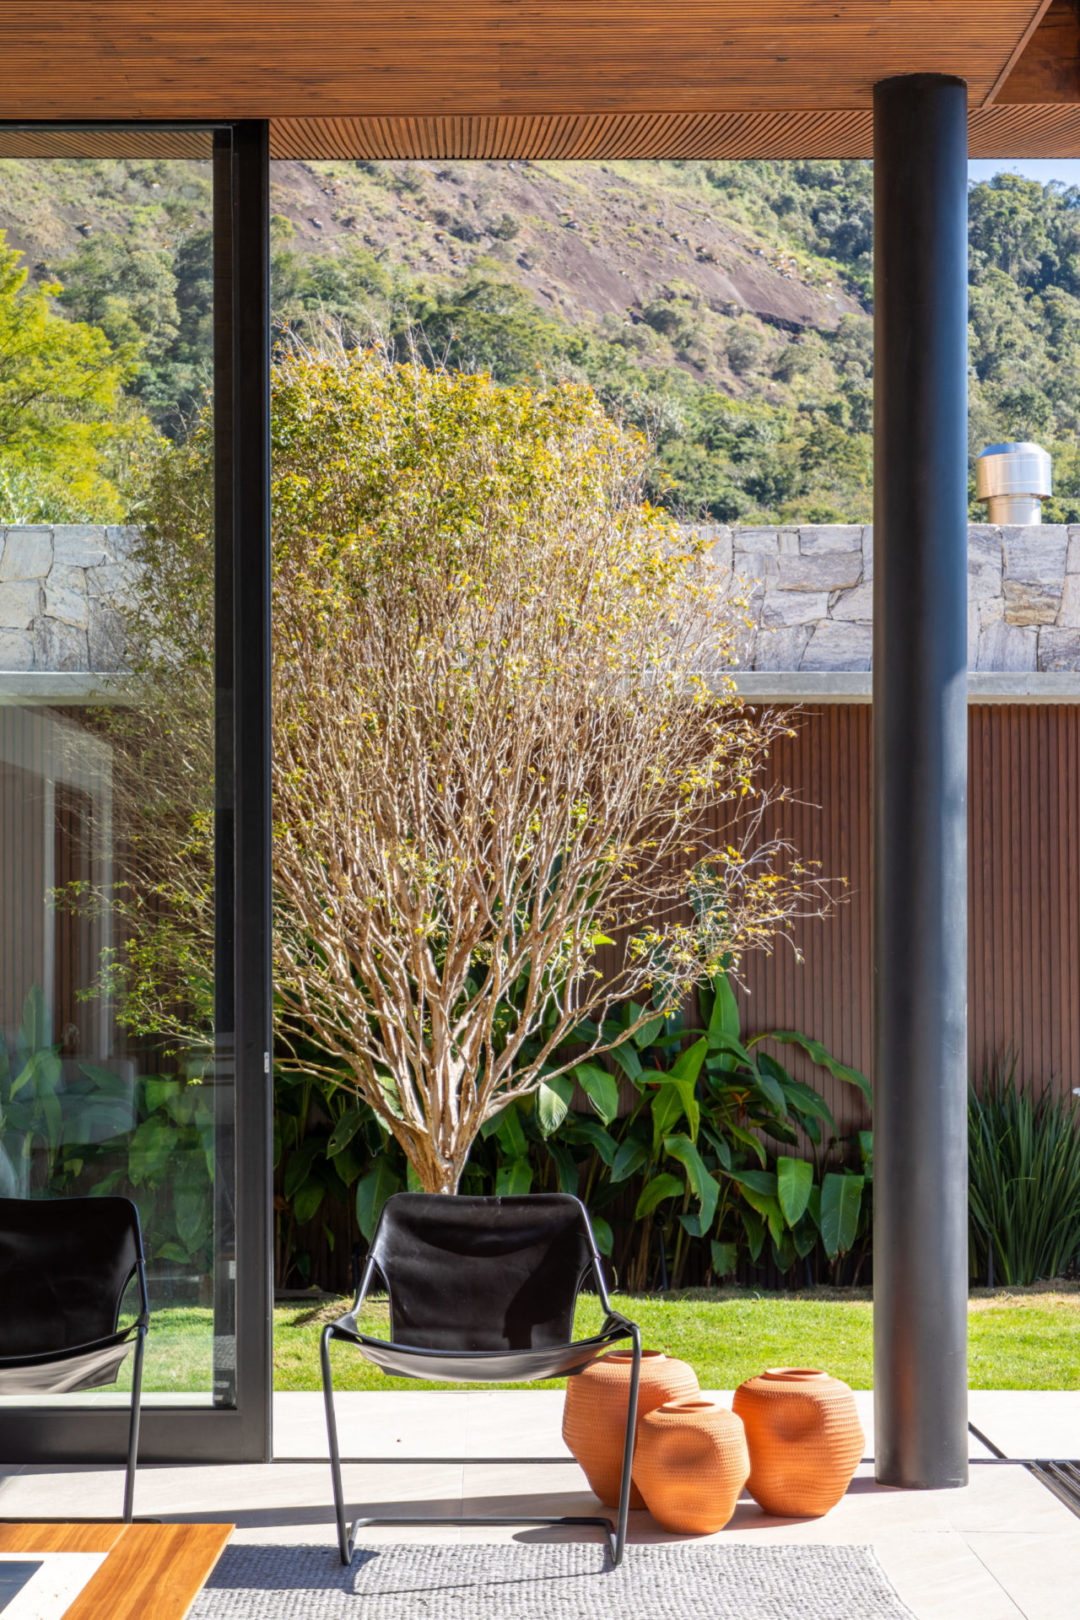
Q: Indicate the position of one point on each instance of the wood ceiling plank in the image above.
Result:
(1049, 68)
(330, 58)
(1017, 51)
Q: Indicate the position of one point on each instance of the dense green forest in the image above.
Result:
(723, 308)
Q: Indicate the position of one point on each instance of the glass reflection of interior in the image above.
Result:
(112, 1079)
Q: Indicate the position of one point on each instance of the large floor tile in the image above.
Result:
(1039, 1572)
(382, 1424)
(1028, 1422)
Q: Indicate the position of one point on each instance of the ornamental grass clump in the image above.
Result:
(505, 743)
(1024, 1180)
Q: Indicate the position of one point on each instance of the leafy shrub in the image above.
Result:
(706, 1168)
(504, 229)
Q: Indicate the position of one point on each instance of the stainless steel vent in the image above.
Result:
(1014, 480)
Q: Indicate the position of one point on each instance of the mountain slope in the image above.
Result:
(721, 307)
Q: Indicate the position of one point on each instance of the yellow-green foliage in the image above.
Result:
(503, 739)
(64, 424)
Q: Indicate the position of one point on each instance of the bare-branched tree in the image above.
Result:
(503, 739)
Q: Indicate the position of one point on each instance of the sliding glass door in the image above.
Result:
(134, 748)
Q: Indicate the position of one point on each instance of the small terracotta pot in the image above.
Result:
(594, 1417)
(804, 1438)
(691, 1464)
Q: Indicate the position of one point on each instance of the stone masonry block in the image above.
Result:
(836, 571)
(16, 650)
(868, 552)
(794, 607)
(781, 649)
(1035, 554)
(59, 646)
(121, 540)
(20, 604)
(1072, 555)
(839, 646)
(63, 577)
(70, 607)
(1059, 649)
(820, 539)
(763, 542)
(1007, 646)
(719, 553)
(985, 561)
(112, 581)
(1070, 601)
(81, 545)
(26, 554)
(856, 604)
(105, 637)
(1031, 604)
(754, 567)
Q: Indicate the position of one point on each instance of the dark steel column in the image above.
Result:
(243, 1371)
(920, 781)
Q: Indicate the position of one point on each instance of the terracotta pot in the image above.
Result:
(691, 1464)
(594, 1417)
(804, 1438)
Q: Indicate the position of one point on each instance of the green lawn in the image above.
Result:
(1018, 1338)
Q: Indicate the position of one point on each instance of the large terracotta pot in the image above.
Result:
(594, 1417)
(691, 1463)
(804, 1438)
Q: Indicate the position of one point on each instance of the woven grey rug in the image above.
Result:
(549, 1581)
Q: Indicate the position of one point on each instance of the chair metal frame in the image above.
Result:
(139, 1329)
(615, 1327)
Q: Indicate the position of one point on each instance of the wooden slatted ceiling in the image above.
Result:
(998, 131)
(331, 58)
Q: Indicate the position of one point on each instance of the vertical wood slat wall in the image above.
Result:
(1024, 867)
(1024, 889)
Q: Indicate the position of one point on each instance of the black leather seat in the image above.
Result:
(482, 1290)
(64, 1266)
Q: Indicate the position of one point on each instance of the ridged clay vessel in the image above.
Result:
(691, 1463)
(594, 1416)
(804, 1438)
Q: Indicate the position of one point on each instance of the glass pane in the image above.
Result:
(114, 1077)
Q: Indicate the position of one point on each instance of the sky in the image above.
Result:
(1067, 170)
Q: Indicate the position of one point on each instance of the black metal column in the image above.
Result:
(920, 781)
(243, 1371)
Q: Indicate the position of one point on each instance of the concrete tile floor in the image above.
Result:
(1004, 1549)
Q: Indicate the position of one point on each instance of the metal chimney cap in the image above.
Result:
(1013, 469)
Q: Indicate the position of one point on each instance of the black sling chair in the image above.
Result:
(64, 1266)
(482, 1290)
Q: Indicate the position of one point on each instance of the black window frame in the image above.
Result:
(240, 1431)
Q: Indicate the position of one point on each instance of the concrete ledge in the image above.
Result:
(62, 688)
(984, 686)
(75, 688)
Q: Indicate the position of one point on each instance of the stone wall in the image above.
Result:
(811, 595)
(57, 590)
